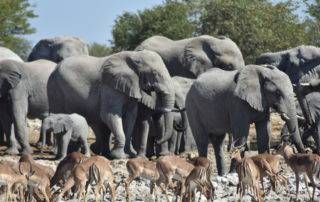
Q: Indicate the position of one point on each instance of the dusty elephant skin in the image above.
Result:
(23, 92)
(301, 63)
(221, 102)
(66, 128)
(58, 48)
(106, 92)
(192, 56)
(7, 54)
(164, 124)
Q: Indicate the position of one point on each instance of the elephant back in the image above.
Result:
(7, 54)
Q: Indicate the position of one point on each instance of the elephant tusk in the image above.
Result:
(305, 84)
(284, 117)
(178, 110)
(300, 118)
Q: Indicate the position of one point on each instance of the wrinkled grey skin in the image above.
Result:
(7, 54)
(312, 130)
(106, 92)
(66, 128)
(192, 56)
(58, 48)
(163, 124)
(221, 102)
(23, 92)
(181, 141)
(301, 63)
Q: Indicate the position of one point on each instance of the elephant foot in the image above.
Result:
(39, 145)
(141, 154)
(131, 152)
(118, 153)
(164, 153)
(12, 151)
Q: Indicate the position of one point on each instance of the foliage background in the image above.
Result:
(257, 26)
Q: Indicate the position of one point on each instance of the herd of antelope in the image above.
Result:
(77, 175)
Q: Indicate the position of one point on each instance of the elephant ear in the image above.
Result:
(249, 89)
(117, 73)
(194, 56)
(11, 73)
(13, 78)
(62, 125)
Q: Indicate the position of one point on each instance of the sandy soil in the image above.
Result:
(225, 186)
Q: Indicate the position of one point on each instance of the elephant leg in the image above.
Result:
(85, 145)
(102, 133)
(316, 137)
(128, 124)
(13, 145)
(200, 136)
(189, 142)
(217, 143)
(173, 142)
(180, 135)
(159, 127)
(20, 111)
(263, 130)
(144, 126)
(63, 145)
(111, 114)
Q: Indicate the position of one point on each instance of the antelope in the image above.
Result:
(40, 178)
(199, 179)
(301, 163)
(65, 167)
(268, 165)
(141, 167)
(47, 170)
(248, 173)
(168, 166)
(10, 177)
(79, 177)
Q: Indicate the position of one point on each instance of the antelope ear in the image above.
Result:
(248, 88)
(118, 73)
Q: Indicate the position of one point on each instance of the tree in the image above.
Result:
(99, 50)
(14, 24)
(257, 26)
(170, 19)
(313, 21)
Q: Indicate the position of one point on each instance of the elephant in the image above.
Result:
(23, 93)
(163, 124)
(221, 102)
(58, 48)
(181, 141)
(66, 128)
(301, 63)
(312, 130)
(7, 54)
(106, 91)
(192, 56)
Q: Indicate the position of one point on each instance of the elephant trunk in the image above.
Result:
(290, 117)
(167, 101)
(184, 125)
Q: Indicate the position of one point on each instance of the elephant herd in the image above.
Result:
(163, 97)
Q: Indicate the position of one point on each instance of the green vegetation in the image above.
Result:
(14, 17)
(99, 50)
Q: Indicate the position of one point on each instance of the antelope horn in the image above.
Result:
(305, 84)
(301, 118)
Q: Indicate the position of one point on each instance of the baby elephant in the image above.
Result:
(66, 128)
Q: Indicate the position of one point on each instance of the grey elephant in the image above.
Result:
(181, 140)
(301, 63)
(23, 93)
(7, 54)
(163, 123)
(58, 48)
(66, 128)
(221, 102)
(192, 56)
(106, 91)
